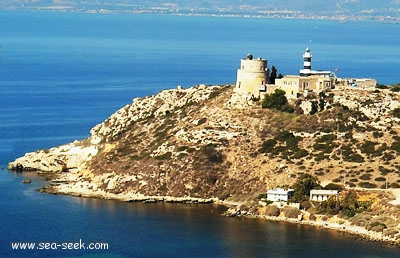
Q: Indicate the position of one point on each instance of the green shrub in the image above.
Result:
(332, 186)
(350, 184)
(305, 205)
(396, 146)
(278, 101)
(330, 206)
(314, 107)
(267, 146)
(320, 156)
(327, 138)
(365, 177)
(182, 148)
(367, 185)
(277, 150)
(380, 179)
(384, 171)
(368, 147)
(292, 143)
(272, 210)
(376, 226)
(300, 153)
(354, 157)
(165, 156)
(212, 154)
(361, 219)
(381, 86)
(377, 134)
(323, 147)
(387, 156)
(390, 232)
(291, 212)
(395, 88)
(181, 155)
(202, 121)
(394, 185)
(214, 94)
(283, 135)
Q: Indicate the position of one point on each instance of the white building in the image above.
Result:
(279, 194)
(322, 195)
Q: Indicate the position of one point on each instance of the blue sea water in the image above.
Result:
(62, 73)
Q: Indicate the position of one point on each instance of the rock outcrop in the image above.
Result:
(58, 159)
(206, 142)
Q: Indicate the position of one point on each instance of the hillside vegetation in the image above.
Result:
(214, 147)
(207, 143)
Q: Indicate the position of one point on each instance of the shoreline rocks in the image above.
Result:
(67, 187)
(64, 189)
(57, 159)
(26, 181)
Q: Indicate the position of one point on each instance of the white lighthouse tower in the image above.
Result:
(306, 71)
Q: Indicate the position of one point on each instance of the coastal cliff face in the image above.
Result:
(207, 142)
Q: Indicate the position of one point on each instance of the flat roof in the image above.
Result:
(279, 191)
(322, 192)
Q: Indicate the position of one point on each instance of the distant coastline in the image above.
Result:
(265, 14)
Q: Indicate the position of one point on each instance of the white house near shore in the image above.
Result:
(279, 194)
(322, 195)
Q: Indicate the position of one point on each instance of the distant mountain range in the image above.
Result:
(352, 9)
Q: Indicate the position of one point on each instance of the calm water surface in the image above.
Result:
(62, 73)
(156, 230)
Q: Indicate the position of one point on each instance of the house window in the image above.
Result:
(239, 84)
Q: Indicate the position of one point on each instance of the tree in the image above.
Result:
(273, 75)
(277, 100)
(303, 185)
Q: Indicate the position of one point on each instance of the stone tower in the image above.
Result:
(252, 76)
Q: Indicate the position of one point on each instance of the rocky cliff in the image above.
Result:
(206, 142)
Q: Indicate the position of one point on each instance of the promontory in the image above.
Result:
(209, 144)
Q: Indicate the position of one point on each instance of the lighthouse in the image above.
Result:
(306, 71)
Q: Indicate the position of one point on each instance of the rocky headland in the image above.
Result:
(206, 144)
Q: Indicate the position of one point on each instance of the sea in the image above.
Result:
(61, 73)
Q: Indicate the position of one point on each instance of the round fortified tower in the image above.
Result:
(252, 76)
